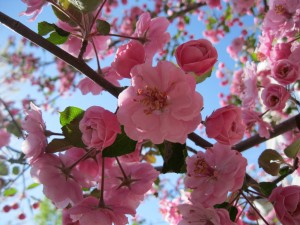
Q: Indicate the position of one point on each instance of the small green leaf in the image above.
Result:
(174, 155)
(293, 149)
(284, 171)
(267, 187)
(86, 5)
(57, 39)
(15, 170)
(31, 186)
(73, 134)
(69, 114)
(45, 28)
(3, 169)
(10, 192)
(201, 78)
(270, 160)
(123, 145)
(103, 27)
(58, 145)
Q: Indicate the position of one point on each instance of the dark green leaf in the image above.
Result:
(69, 114)
(103, 27)
(58, 145)
(57, 39)
(86, 5)
(96, 193)
(293, 149)
(3, 169)
(73, 134)
(267, 187)
(174, 155)
(15, 170)
(233, 211)
(10, 192)
(13, 129)
(71, 10)
(31, 186)
(284, 171)
(270, 160)
(122, 145)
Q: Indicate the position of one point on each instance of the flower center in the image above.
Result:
(153, 99)
(274, 100)
(202, 168)
(279, 9)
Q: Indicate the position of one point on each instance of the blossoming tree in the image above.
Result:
(100, 166)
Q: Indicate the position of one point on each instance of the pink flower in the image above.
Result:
(213, 3)
(73, 44)
(235, 47)
(34, 8)
(199, 215)
(33, 122)
(275, 96)
(285, 71)
(4, 138)
(50, 171)
(225, 125)
(154, 30)
(88, 212)
(242, 6)
(197, 56)
(249, 94)
(127, 57)
(86, 85)
(99, 127)
(280, 51)
(160, 100)
(214, 173)
(286, 203)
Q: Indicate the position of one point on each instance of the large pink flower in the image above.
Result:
(198, 56)
(160, 105)
(99, 127)
(275, 96)
(286, 203)
(285, 71)
(214, 173)
(154, 30)
(34, 8)
(225, 125)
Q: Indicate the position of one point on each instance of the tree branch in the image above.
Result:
(279, 129)
(186, 10)
(55, 50)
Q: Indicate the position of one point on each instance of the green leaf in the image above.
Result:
(69, 114)
(122, 145)
(270, 160)
(58, 145)
(15, 170)
(45, 28)
(86, 5)
(293, 149)
(103, 27)
(284, 171)
(201, 78)
(13, 129)
(73, 134)
(10, 192)
(233, 211)
(267, 187)
(31, 186)
(57, 39)
(174, 155)
(71, 10)
(3, 169)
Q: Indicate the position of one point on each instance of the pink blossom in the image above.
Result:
(275, 96)
(4, 138)
(33, 122)
(242, 6)
(225, 125)
(127, 56)
(169, 211)
(86, 85)
(99, 127)
(154, 30)
(132, 188)
(160, 100)
(34, 8)
(285, 71)
(73, 44)
(88, 212)
(280, 51)
(286, 204)
(199, 215)
(213, 3)
(197, 56)
(50, 171)
(213, 173)
(235, 47)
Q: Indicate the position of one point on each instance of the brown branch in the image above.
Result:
(279, 129)
(71, 60)
(186, 10)
(199, 140)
